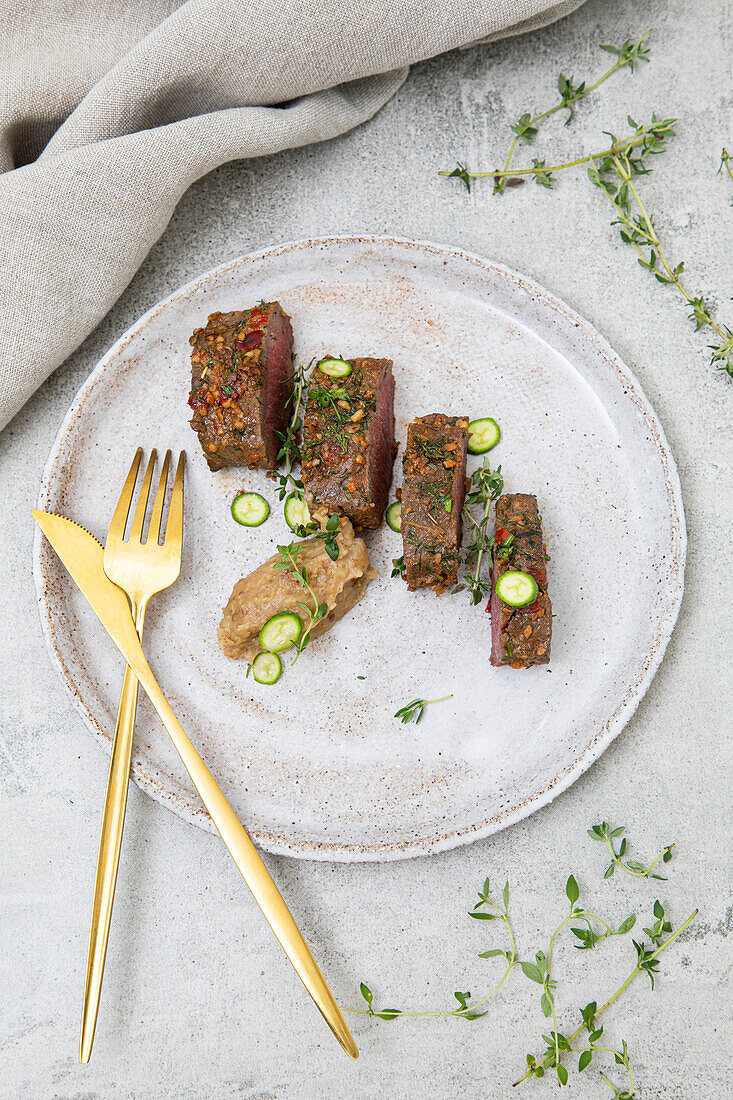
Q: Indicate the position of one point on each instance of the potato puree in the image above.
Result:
(256, 598)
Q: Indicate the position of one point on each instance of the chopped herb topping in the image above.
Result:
(486, 486)
(433, 450)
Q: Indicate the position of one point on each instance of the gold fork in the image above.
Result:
(141, 569)
(111, 607)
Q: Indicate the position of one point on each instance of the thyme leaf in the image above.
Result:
(399, 566)
(726, 161)
(461, 172)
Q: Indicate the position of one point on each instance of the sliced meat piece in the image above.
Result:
(241, 383)
(433, 489)
(267, 591)
(348, 441)
(521, 636)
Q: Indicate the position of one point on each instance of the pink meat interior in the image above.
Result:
(497, 619)
(277, 386)
(459, 492)
(381, 442)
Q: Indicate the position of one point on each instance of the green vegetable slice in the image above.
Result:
(280, 632)
(250, 509)
(483, 434)
(266, 668)
(394, 516)
(335, 368)
(297, 512)
(516, 589)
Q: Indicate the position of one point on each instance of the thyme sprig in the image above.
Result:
(650, 137)
(486, 486)
(589, 929)
(290, 438)
(558, 1044)
(614, 174)
(485, 909)
(613, 170)
(414, 710)
(525, 129)
(605, 834)
(289, 562)
(291, 453)
(570, 94)
(540, 970)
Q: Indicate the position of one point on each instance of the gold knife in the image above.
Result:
(83, 557)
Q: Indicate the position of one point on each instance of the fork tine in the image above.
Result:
(137, 524)
(174, 527)
(154, 528)
(116, 531)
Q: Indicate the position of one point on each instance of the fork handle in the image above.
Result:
(113, 821)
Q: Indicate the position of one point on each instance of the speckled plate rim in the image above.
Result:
(192, 811)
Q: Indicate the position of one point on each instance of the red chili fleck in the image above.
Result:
(251, 340)
(331, 453)
(196, 401)
(533, 607)
(502, 534)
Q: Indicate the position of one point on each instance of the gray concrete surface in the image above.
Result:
(198, 1001)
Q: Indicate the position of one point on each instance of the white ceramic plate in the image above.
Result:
(317, 766)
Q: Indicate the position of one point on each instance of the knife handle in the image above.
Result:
(251, 867)
(110, 843)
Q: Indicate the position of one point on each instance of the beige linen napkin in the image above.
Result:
(110, 110)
